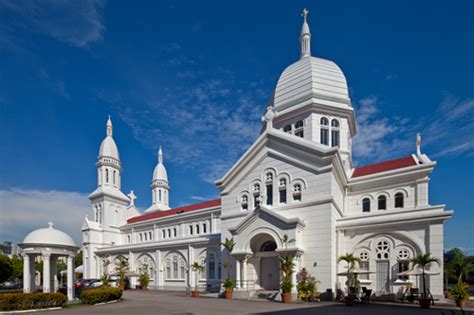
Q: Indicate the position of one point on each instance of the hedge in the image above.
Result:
(100, 295)
(28, 301)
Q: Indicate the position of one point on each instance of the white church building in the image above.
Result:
(296, 179)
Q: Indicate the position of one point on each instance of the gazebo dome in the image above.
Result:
(49, 236)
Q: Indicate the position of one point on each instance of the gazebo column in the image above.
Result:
(26, 274)
(244, 272)
(70, 278)
(54, 269)
(46, 273)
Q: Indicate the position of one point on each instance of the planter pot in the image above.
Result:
(228, 295)
(286, 297)
(145, 287)
(425, 303)
(349, 300)
(460, 303)
(195, 293)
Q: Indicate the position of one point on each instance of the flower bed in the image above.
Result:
(100, 295)
(28, 301)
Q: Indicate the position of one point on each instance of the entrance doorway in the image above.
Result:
(269, 273)
(382, 274)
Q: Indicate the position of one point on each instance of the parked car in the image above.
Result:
(12, 284)
(83, 284)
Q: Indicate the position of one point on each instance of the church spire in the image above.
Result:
(305, 37)
(109, 127)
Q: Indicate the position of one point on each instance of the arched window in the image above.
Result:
(128, 238)
(204, 228)
(182, 269)
(175, 232)
(297, 192)
(403, 257)
(366, 205)
(268, 177)
(145, 236)
(282, 190)
(169, 233)
(163, 234)
(245, 202)
(106, 175)
(269, 188)
(399, 200)
(382, 202)
(190, 230)
(175, 267)
(268, 246)
(382, 250)
(364, 264)
(141, 237)
(197, 229)
(335, 133)
(256, 195)
(287, 129)
(324, 135)
(113, 178)
(211, 266)
(168, 269)
(299, 130)
(150, 236)
(159, 195)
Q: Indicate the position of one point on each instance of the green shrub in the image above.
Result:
(27, 301)
(100, 295)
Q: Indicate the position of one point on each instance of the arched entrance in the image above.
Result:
(268, 267)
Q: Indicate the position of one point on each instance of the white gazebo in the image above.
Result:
(49, 243)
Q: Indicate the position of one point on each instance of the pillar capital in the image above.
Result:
(46, 256)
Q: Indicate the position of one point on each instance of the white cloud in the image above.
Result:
(77, 23)
(447, 131)
(24, 210)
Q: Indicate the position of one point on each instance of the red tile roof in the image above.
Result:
(383, 166)
(188, 208)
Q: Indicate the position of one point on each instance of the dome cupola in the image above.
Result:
(159, 187)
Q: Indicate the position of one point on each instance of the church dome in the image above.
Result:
(159, 174)
(108, 148)
(49, 236)
(310, 78)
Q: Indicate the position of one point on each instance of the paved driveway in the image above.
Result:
(152, 302)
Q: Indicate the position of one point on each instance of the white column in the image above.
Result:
(293, 275)
(190, 262)
(26, 274)
(54, 280)
(237, 274)
(244, 272)
(70, 278)
(46, 273)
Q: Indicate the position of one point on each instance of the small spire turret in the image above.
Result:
(305, 37)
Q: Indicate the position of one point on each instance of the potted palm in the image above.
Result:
(228, 283)
(121, 266)
(197, 268)
(144, 278)
(105, 277)
(287, 265)
(460, 294)
(424, 261)
(351, 261)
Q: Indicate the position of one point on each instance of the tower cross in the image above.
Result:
(304, 14)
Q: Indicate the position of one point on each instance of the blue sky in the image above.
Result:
(195, 77)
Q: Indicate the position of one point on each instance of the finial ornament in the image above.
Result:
(305, 36)
(50, 224)
(270, 114)
(132, 197)
(418, 144)
(160, 155)
(109, 127)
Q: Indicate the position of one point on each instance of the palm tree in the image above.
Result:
(121, 266)
(424, 261)
(460, 264)
(229, 246)
(351, 261)
(198, 268)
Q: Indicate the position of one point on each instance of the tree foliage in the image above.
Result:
(6, 269)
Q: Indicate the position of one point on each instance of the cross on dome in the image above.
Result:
(50, 224)
(304, 14)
